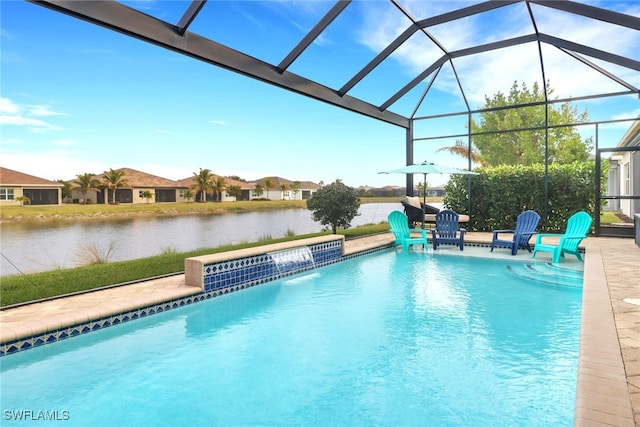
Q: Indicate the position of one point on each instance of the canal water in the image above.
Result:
(34, 247)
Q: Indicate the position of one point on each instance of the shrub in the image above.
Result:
(499, 194)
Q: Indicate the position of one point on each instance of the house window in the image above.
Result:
(6, 193)
(285, 193)
(627, 179)
(141, 194)
(182, 193)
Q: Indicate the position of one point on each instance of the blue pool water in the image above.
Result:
(392, 338)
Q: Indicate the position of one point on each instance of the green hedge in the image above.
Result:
(499, 194)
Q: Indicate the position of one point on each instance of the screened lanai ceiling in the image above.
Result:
(387, 59)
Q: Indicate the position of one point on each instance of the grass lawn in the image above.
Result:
(609, 218)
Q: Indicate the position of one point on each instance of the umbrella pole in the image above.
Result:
(424, 199)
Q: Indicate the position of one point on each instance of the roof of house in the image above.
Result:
(632, 136)
(188, 182)
(277, 181)
(11, 177)
(139, 179)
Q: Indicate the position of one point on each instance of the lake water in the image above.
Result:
(34, 247)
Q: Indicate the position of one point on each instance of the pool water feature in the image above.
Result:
(294, 260)
(392, 338)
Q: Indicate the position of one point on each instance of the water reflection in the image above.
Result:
(33, 247)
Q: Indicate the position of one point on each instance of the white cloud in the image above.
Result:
(52, 165)
(8, 107)
(217, 122)
(491, 72)
(44, 110)
(16, 115)
(165, 132)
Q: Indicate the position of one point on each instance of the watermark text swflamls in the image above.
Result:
(32, 415)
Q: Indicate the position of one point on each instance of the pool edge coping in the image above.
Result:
(602, 391)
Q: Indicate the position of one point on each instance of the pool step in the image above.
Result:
(548, 273)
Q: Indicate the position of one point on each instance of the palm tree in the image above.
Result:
(147, 194)
(259, 190)
(269, 184)
(202, 183)
(283, 187)
(85, 182)
(66, 189)
(421, 190)
(295, 188)
(218, 185)
(114, 179)
(461, 149)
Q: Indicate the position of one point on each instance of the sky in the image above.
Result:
(77, 98)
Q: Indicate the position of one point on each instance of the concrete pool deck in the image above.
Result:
(608, 392)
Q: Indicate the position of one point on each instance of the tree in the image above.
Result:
(188, 195)
(259, 190)
(421, 190)
(218, 185)
(84, 183)
(283, 187)
(527, 147)
(202, 183)
(114, 179)
(147, 195)
(268, 185)
(335, 204)
(461, 149)
(24, 200)
(235, 191)
(66, 189)
(295, 188)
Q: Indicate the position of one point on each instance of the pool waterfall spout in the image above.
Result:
(294, 260)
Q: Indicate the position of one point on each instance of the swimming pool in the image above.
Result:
(390, 338)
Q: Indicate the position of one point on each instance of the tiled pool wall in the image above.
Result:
(224, 277)
(253, 270)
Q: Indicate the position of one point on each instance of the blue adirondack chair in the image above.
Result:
(400, 228)
(446, 230)
(578, 226)
(526, 225)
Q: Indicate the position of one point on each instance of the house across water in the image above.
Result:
(142, 187)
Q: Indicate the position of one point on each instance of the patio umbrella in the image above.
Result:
(427, 168)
